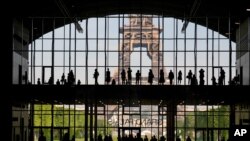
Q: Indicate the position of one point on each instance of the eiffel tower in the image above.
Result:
(140, 32)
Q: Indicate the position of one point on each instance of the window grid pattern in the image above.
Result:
(99, 47)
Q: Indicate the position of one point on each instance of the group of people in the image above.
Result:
(137, 138)
(192, 80)
(65, 137)
(187, 139)
(221, 79)
(153, 138)
(69, 81)
(106, 138)
(126, 78)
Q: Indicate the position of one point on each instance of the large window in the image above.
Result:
(199, 120)
(113, 119)
(115, 42)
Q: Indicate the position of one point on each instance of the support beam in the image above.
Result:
(171, 120)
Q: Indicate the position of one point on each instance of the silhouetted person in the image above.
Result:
(194, 80)
(63, 78)
(71, 78)
(96, 74)
(171, 77)
(130, 137)
(42, 137)
(188, 139)
(222, 74)
(162, 78)
(25, 78)
(66, 137)
(178, 138)
(162, 138)
(73, 138)
(123, 76)
(153, 138)
(110, 138)
(137, 77)
(235, 80)
(57, 82)
(108, 79)
(189, 77)
(38, 81)
(125, 138)
(106, 138)
(50, 82)
(138, 137)
(202, 77)
(145, 138)
(220, 80)
(214, 81)
(113, 82)
(150, 76)
(99, 138)
(79, 82)
(68, 79)
(129, 72)
(179, 77)
(223, 139)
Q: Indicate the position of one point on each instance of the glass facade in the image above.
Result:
(102, 46)
(55, 52)
(119, 120)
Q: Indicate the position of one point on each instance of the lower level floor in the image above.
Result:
(123, 113)
(122, 121)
